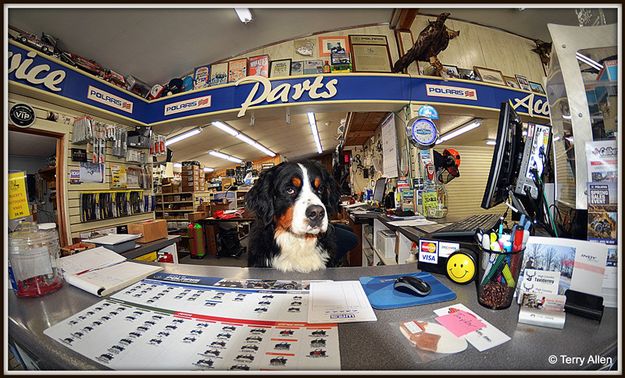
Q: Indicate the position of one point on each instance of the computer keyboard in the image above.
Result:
(466, 228)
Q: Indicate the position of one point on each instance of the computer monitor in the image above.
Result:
(507, 158)
(378, 191)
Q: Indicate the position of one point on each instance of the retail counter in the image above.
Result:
(364, 346)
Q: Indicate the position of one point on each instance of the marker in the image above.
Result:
(517, 243)
(500, 226)
(485, 242)
(522, 221)
(527, 225)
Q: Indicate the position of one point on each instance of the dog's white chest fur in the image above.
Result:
(298, 254)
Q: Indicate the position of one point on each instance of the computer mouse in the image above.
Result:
(412, 285)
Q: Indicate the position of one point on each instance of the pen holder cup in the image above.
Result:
(498, 277)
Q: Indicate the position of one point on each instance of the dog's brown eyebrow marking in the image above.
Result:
(296, 181)
(317, 182)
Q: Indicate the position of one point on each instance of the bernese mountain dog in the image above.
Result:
(291, 232)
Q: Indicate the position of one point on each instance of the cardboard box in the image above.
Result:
(167, 188)
(152, 230)
(195, 216)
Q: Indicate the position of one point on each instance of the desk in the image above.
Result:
(167, 245)
(211, 234)
(364, 346)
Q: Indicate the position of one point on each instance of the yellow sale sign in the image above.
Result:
(18, 199)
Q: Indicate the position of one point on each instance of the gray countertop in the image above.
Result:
(364, 346)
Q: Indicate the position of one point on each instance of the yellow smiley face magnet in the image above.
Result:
(461, 267)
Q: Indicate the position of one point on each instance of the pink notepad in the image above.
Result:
(460, 323)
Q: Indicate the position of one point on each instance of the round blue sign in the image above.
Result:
(423, 132)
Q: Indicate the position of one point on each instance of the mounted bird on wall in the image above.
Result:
(432, 40)
(543, 49)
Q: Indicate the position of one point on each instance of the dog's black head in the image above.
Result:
(295, 197)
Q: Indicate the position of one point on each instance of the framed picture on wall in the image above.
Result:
(451, 71)
(489, 75)
(511, 82)
(297, 67)
(370, 53)
(280, 68)
(259, 66)
(537, 87)
(219, 74)
(313, 67)
(237, 69)
(331, 44)
(467, 74)
(523, 82)
(405, 42)
(304, 47)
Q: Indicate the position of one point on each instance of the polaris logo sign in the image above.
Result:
(188, 105)
(109, 99)
(451, 92)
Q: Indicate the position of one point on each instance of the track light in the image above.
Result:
(183, 136)
(491, 142)
(460, 130)
(225, 156)
(242, 137)
(315, 132)
(244, 14)
(207, 169)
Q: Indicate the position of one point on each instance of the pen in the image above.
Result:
(500, 226)
(522, 221)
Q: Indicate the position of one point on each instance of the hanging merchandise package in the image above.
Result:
(426, 340)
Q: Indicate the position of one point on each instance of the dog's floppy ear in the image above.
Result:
(331, 196)
(259, 199)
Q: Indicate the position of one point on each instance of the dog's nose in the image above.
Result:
(315, 213)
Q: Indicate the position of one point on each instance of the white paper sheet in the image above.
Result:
(90, 259)
(412, 222)
(339, 302)
(482, 339)
(113, 239)
(102, 282)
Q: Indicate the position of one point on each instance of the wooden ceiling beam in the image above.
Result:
(402, 19)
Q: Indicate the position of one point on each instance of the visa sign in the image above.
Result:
(188, 105)
(428, 251)
(109, 99)
(450, 92)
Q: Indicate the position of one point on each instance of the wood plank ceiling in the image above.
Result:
(361, 126)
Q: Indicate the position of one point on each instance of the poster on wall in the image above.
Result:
(259, 66)
(201, 77)
(389, 147)
(18, 198)
(237, 69)
(602, 159)
(219, 74)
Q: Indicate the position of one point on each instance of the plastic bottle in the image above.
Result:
(199, 240)
(33, 259)
(326, 67)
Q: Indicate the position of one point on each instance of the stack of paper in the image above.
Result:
(100, 271)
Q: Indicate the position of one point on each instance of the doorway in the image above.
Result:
(39, 154)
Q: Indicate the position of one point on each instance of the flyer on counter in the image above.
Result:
(339, 302)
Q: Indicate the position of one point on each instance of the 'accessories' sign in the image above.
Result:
(109, 99)
(534, 105)
(39, 74)
(282, 91)
(187, 105)
(451, 92)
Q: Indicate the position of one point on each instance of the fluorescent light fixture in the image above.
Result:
(207, 169)
(566, 116)
(315, 132)
(244, 14)
(223, 127)
(587, 60)
(460, 130)
(235, 133)
(177, 165)
(491, 142)
(557, 138)
(183, 136)
(225, 156)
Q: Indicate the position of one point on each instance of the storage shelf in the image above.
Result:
(175, 210)
(161, 203)
(176, 219)
(385, 260)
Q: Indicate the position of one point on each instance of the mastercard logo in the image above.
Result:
(428, 247)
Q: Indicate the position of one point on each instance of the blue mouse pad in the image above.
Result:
(383, 296)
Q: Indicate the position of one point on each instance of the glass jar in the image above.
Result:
(33, 260)
(435, 200)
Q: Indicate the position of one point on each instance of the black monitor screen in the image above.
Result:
(507, 157)
(378, 191)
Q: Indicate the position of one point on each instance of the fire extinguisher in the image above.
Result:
(192, 243)
(199, 241)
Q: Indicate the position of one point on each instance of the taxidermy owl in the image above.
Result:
(430, 42)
